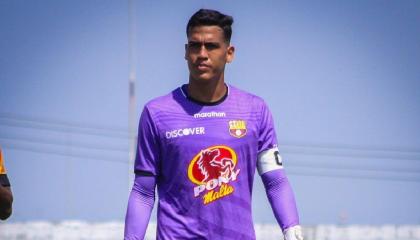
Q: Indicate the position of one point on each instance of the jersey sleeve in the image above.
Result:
(148, 146)
(4, 180)
(268, 154)
(267, 135)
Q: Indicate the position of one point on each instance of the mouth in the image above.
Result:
(203, 66)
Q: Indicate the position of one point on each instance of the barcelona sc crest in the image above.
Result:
(237, 128)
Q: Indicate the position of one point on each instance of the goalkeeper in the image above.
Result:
(200, 146)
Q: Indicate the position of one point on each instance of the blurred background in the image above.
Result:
(342, 79)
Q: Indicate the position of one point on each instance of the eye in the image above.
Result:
(211, 46)
(194, 45)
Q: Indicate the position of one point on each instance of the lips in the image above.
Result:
(203, 66)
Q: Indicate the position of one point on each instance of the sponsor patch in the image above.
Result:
(212, 170)
(185, 132)
(210, 114)
(237, 128)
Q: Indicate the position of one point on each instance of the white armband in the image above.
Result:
(269, 160)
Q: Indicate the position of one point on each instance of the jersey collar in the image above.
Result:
(184, 91)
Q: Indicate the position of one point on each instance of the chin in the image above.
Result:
(202, 78)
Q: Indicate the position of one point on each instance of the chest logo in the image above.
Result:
(237, 128)
(212, 170)
(185, 132)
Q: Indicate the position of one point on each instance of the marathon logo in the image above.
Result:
(210, 114)
(185, 132)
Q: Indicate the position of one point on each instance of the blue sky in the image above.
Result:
(341, 79)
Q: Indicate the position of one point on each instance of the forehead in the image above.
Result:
(206, 33)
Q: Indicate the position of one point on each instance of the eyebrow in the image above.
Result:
(205, 43)
(199, 42)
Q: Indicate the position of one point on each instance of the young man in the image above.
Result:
(6, 197)
(200, 145)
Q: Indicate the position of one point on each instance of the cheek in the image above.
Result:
(221, 60)
(190, 59)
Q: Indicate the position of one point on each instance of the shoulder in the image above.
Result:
(168, 102)
(160, 101)
(246, 97)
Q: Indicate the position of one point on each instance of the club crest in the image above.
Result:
(237, 128)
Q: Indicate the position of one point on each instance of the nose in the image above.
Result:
(202, 53)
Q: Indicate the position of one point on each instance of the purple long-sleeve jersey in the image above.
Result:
(204, 158)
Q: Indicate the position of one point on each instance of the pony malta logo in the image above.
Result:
(212, 170)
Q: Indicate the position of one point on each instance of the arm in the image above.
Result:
(278, 189)
(142, 197)
(140, 205)
(6, 199)
(279, 193)
(282, 200)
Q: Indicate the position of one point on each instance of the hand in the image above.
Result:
(293, 233)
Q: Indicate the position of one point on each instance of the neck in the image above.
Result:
(207, 91)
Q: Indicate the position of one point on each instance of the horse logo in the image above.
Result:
(212, 170)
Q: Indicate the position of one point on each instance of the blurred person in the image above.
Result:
(201, 144)
(6, 197)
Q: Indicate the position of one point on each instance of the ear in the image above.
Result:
(230, 53)
(185, 53)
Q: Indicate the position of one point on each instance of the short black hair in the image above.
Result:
(209, 17)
